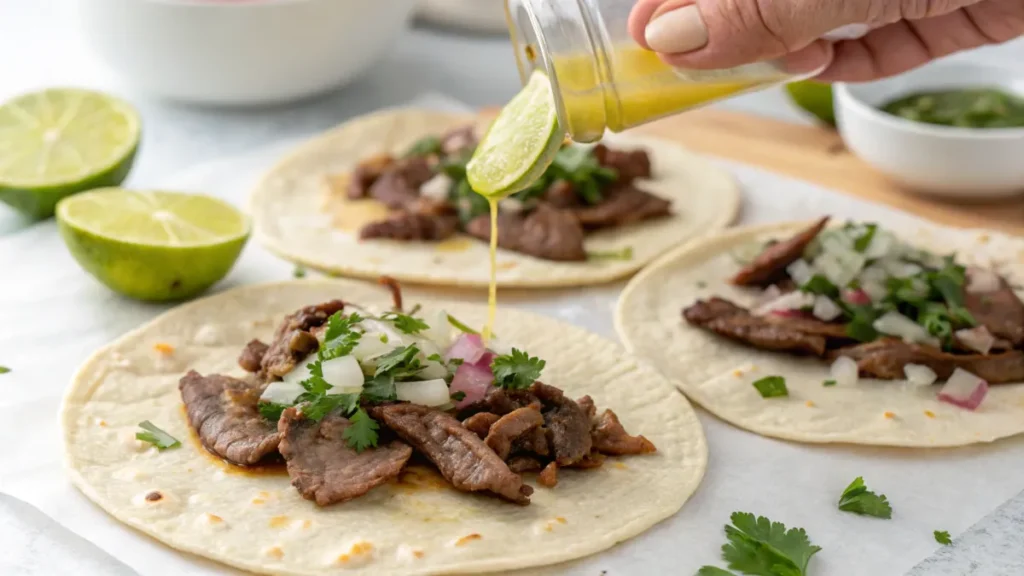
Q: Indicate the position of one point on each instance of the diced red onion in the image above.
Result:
(845, 371)
(825, 309)
(978, 339)
(467, 347)
(919, 375)
(801, 272)
(425, 393)
(796, 300)
(858, 296)
(896, 324)
(981, 281)
(473, 380)
(963, 389)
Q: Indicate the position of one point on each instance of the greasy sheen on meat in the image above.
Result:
(323, 467)
(611, 438)
(885, 358)
(252, 356)
(1002, 312)
(546, 232)
(510, 427)
(294, 340)
(460, 455)
(223, 412)
(770, 265)
(480, 424)
(622, 204)
(568, 425)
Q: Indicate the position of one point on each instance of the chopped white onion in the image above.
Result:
(978, 339)
(896, 324)
(963, 389)
(875, 291)
(769, 294)
(845, 371)
(901, 269)
(874, 273)
(425, 393)
(432, 370)
(372, 346)
(343, 374)
(800, 271)
(840, 266)
(282, 392)
(440, 331)
(882, 244)
(980, 281)
(796, 300)
(920, 375)
(825, 309)
(437, 187)
(301, 370)
(512, 205)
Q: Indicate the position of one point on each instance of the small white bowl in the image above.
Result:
(242, 52)
(961, 163)
(478, 15)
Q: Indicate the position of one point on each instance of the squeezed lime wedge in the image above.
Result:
(153, 246)
(520, 144)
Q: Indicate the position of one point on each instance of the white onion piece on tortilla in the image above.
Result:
(371, 346)
(439, 331)
(978, 339)
(301, 370)
(437, 187)
(882, 244)
(425, 393)
(769, 294)
(825, 309)
(800, 271)
(981, 281)
(875, 291)
(920, 375)
(845, 371)
(282, 392)
(473, 380)
(467, 347)
(963, 389)
(896, 324)
(342, 374)
(795, 300)
(901, 269)
(432, 370)
(512, 205)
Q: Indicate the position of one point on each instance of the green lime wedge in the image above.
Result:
(520, 144)
(60, 142)
(152, 245)
(814, 97)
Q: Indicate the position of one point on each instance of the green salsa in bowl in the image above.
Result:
(987, 107)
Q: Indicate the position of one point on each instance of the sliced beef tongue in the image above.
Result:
(252, 355)
(460, 455)
(223, 412)
(323, 467)
(504, 431)
(567, 424)
(622, 204)
(885, 358)
(772, 332)
(610, 437)
(630, 164)
(546, 232)
(770, 265)
(294, 339)
(1002, 312)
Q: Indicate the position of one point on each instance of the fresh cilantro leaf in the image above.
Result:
(435, 357)
(455, 166)
(623, 254)
(468, 203)
(861, 244)
(4, 369)
(155, 436)
(271, 411)
(516, 371)
(761, 547)
(589, 191)
(713, 571)
(424, 147)
(338, 325)
(399, 362)
(316, 384)
(861, 326)
(380, 388)
(829, 383)
(299, 271)
(819, 284)
(460, 326)
(315, 407)
(362, 432)
(405, 323)
(772, 387)
(942, 537)
(857, 499)
(458, 396)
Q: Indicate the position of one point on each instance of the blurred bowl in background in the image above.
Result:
(242, 52)
(476, 15)
(952, 162)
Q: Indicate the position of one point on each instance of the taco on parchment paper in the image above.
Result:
(841, 333)
(386, 194)
(308, 427)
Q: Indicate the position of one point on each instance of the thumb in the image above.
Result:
(704, 34)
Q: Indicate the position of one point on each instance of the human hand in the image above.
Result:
(708, 34)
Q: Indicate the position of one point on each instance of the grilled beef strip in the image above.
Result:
(252, 355)
(480, 424)
(223, 411)
(885, 358)
(407, 226)
(621, 205)
(561, 194)
(567, 424)
(521, 463)
(510, 427)
(366, 173)
(770, 265)
(548, 477)
(546, 232)
(533, 442)
(398, 187)
(630, 164)
(460, 455)
(1002, 312)
(294, 339)
(611, 438)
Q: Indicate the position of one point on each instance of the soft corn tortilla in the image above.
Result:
(292, 218)
(718, 374)
(260, 523)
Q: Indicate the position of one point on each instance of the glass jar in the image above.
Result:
(602, 79)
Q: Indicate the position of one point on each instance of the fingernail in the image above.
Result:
(680, 30)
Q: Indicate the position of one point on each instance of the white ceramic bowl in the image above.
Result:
(242, 52)
(962, 163)
(478, 15)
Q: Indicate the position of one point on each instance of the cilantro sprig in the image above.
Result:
(859, 500)
(516, 371)
(362, 433)
(942, 537)
(760, 547)
(772, 387)
(155, 436)
(405, 322)
(4, 369)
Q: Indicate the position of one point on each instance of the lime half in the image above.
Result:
(814, 97)
(520, 144)
(60, 142)
(152, 245)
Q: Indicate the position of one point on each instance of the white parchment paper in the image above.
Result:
(54, 315)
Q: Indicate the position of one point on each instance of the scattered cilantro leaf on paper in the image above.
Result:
(4, 369)
(942, 537)
(299, 271)
(772, 387)
(859, 500)
(155, 436)
(829, 383)
(516, 371)
(761, 547)
(362, 433)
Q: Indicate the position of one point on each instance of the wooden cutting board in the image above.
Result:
(818, 155)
